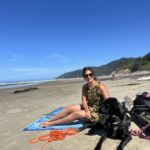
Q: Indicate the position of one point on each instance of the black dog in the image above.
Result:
(115, 122)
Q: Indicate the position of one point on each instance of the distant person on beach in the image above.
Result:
(93, 93)
(113, 75)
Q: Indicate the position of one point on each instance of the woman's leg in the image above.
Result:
(66, 111)
(79, 114)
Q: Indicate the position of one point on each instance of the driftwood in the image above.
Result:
(25, 90)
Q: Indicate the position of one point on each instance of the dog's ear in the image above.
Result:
(122, 110)
(114, 107)
(111, 104)
(103, 109)
(104, 119)
(119, 109)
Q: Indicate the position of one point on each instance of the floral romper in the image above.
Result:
(94, 99)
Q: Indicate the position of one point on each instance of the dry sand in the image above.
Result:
(18, 110)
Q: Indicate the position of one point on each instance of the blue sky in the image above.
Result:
(43, 39)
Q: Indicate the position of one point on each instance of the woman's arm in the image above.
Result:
(84, 103)
(104, 91)
(85, 107)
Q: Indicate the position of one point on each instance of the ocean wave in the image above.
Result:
(4, 85)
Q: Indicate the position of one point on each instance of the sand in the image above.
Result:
(18, 110)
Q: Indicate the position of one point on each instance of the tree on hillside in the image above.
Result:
(147, 57)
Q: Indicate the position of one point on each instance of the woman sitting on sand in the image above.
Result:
(93, 92)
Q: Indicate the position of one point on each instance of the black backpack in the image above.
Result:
(141, 107)
(142, 102)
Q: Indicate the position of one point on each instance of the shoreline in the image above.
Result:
(17, 84)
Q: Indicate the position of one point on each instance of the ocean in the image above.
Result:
(5, 85)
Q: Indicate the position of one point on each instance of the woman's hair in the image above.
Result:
(90, 69)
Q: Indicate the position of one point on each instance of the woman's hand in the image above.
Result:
(45, 124)
(88, 115)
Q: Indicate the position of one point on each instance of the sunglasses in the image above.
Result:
(86, 75)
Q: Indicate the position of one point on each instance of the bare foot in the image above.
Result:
(45, 124)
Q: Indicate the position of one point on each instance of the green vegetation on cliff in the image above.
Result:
(133, 64)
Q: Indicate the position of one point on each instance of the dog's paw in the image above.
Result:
(119, 148)
(91, 131)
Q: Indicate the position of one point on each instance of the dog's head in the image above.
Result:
(112, 106)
